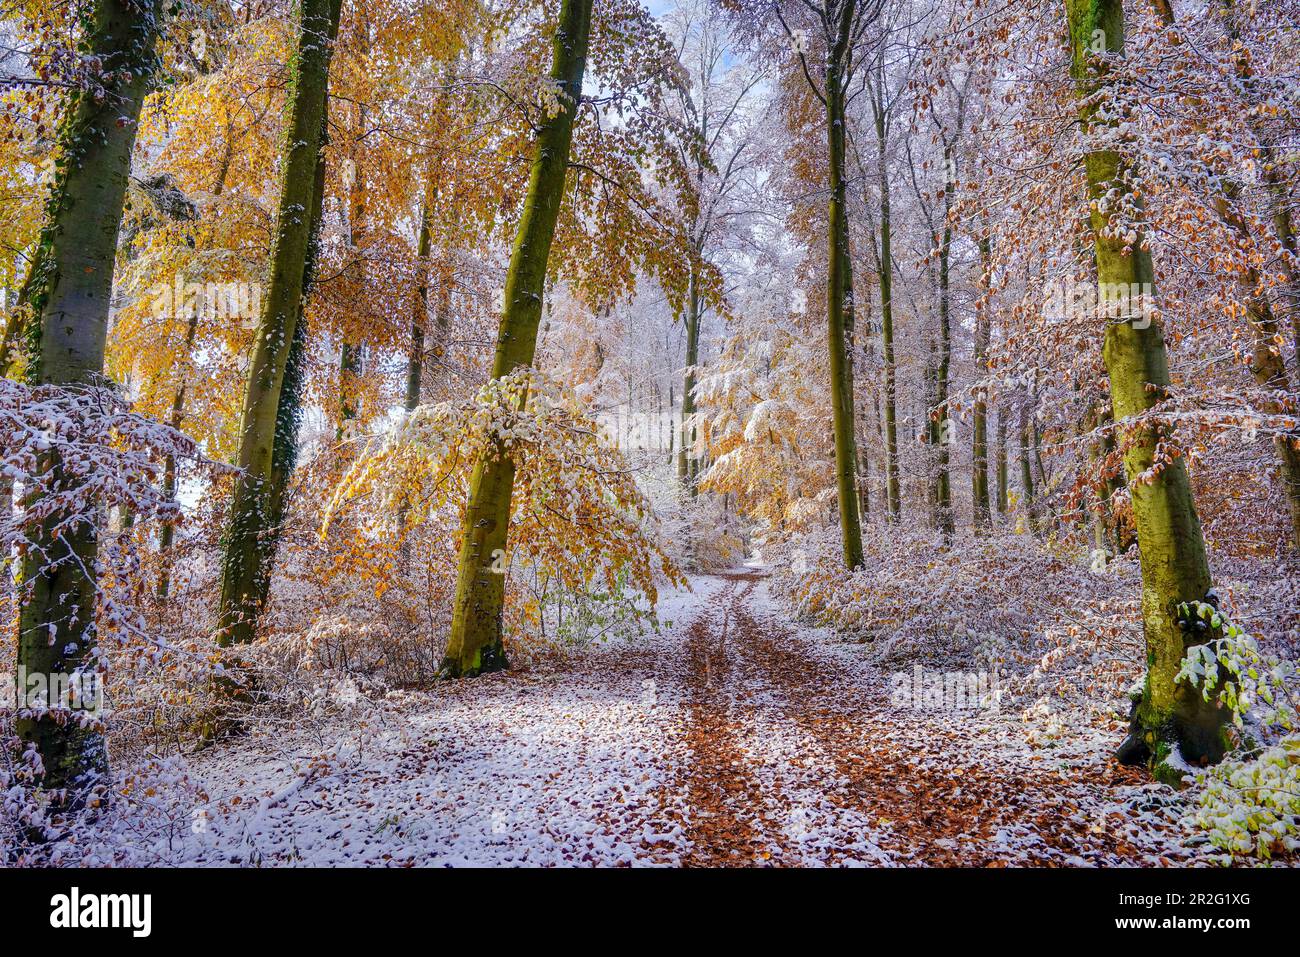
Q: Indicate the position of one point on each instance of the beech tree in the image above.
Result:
(66, 300)
(1172, 721)
(840, 27)
(474, 644)
(252, 532)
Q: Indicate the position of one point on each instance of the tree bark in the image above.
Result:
(1169, 716)
(1267, 364)
(475, 643)
(939, 423)
(1027, 469)
(839, 294)
(686, 465)
(68, 294)
(415, 350)
(253, 533)
(1001, 453)
(982, 516)
(893, 503)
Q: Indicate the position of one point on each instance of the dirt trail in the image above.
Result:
(928, 788)
(729, 824)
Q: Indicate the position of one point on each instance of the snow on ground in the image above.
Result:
(563, 765)
(732, 737)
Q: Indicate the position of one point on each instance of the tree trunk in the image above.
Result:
(979, 483)
(1027, 469)
(939, 423)
(893, 502)
(839, 299)
(415, 350)
(475, 644)
(686, 454)
(167, 533)
(253, 533)
(1001, 453)
(352, 353)
(1269, 369)
(68, 296)
(864, 484)
(1169, 716)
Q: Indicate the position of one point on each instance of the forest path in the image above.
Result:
(796, 759)
(732, 736)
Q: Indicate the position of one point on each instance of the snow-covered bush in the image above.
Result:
(917, 595)
(582, 529)
(1249, 804)
(73, 458)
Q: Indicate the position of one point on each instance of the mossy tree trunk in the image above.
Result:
(475, 643)
(253, 530)
(1168, 715)
(68, 297)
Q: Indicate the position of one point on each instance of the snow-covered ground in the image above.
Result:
(731, 737)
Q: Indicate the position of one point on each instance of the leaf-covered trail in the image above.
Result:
(796, 759)
(733, 737)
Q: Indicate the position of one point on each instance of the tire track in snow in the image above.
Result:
(878, 768)
(729, 820)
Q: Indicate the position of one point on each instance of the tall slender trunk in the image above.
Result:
(415, 349)
(864, 484)
(167, 533)
(1047, 514)
(979, 482)
(1027, 469)
(893, 502)
(475, 644)
(415, 352)
(686, 464)
(252, 533)
(672, 433)
(1170, 715)
(1001, 455)
(839, 304)
(939, 424)
(351, 352)
(1288, 294)
(69, 302)
(1267, 364)
(1269, 370)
